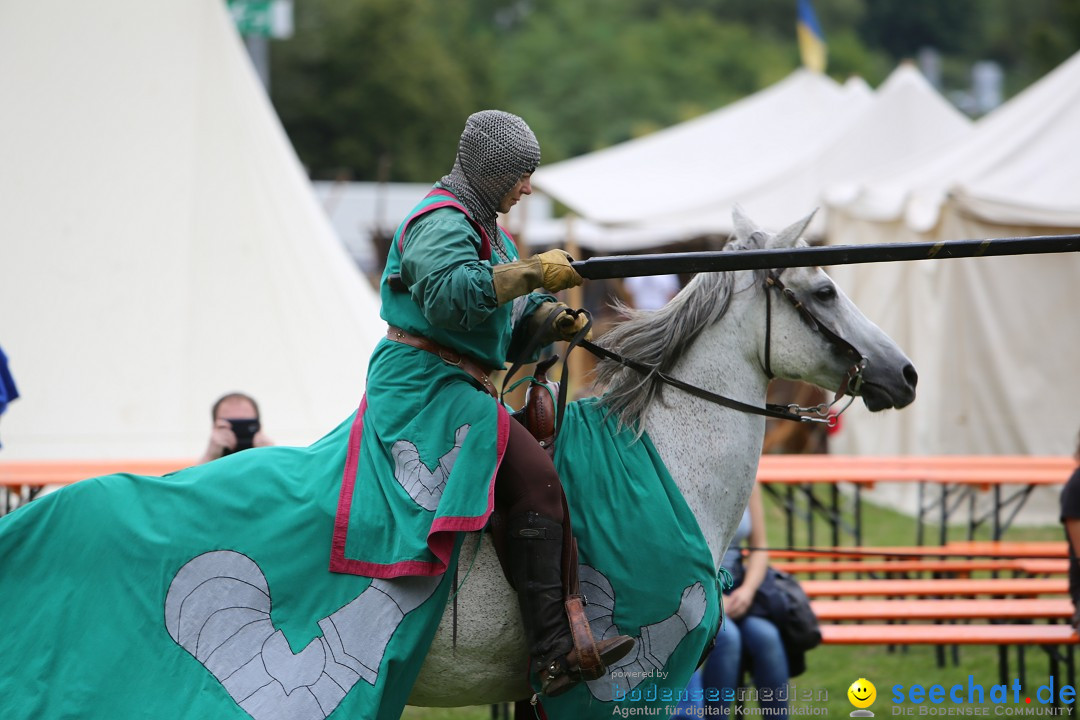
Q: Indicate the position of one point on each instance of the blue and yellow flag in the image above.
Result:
(811, 39)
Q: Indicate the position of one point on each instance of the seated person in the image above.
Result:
(1070, 518)
(235, 427)
(745, 640)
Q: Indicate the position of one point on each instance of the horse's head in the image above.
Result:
(813, 332)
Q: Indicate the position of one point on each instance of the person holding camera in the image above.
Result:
(235, 427)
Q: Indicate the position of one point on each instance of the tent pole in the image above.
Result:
(575, 298)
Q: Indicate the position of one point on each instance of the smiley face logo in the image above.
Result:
(862, 694)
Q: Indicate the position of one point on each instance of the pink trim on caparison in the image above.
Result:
(441, 534)
(338, 562)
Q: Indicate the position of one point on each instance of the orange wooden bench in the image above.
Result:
(790, 477)
(1030, 608)
(1025, 549)
(1043, 566)
(929, 565)
(1056, 640)
(1047, 549)
(949, 635)
(979, 470)
(15, 473)
(21, 480)
(937, 587)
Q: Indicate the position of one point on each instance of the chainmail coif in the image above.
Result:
(496, 149)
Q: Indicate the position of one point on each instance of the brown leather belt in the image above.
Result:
(451, 357)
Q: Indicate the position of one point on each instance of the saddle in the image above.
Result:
(538, 412)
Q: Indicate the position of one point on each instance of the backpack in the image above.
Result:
(782, 600)
(785, 603)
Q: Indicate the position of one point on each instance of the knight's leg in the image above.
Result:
(528, 500)
(528, 497)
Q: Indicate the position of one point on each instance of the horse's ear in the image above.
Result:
(744, 226)
(790, 235)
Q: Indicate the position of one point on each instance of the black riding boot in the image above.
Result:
(534, 553)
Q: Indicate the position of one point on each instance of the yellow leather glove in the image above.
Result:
(566, 326)
(558, 273)
(550, 270)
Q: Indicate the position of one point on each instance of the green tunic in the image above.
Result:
(428, 440)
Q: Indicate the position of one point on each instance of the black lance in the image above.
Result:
(620, 266)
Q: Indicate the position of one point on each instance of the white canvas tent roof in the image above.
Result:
(1021, 166)
(711, 158)
(905, 116)
(160, 242)
(994, 339)
(873, 130)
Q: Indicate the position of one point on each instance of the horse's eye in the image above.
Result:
(826, 293)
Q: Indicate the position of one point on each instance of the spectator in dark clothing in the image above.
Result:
(1070, 517)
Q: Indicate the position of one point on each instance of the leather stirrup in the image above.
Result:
(589, 663)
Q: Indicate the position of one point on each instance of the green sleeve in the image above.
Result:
(440, 263)
(533, 307)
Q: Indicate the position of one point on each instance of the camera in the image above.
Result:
(244, 430)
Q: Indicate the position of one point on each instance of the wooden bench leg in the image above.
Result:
(1054, 655)
(1070, 664)
(1021, 665)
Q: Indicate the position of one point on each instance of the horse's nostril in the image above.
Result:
(910, 375)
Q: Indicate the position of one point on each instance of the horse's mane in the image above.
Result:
(658, 338)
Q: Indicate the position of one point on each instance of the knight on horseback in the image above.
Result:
(471, 306)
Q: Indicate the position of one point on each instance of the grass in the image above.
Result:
(832, 669)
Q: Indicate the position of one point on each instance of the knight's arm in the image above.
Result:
(441, 266)
(530, 312)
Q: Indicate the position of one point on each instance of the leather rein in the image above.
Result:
(822, 413)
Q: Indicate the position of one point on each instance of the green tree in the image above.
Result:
(903, 28)
(588, 75)
(370, 83)
(381, 88)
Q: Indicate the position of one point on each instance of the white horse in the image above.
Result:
(208, 588)
(718, 334)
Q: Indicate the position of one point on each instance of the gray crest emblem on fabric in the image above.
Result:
(425, 486)
(218, 609)
(655, 644)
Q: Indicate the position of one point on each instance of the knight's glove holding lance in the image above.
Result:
(561, 325)
(550, 270)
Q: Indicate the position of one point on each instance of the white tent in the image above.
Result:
(994, 339)
(708, 160)
(684, 182)
(357, 210)
(905, 116)
(160, 244)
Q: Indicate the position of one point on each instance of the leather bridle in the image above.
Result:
(853, 379)
(822, 413)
